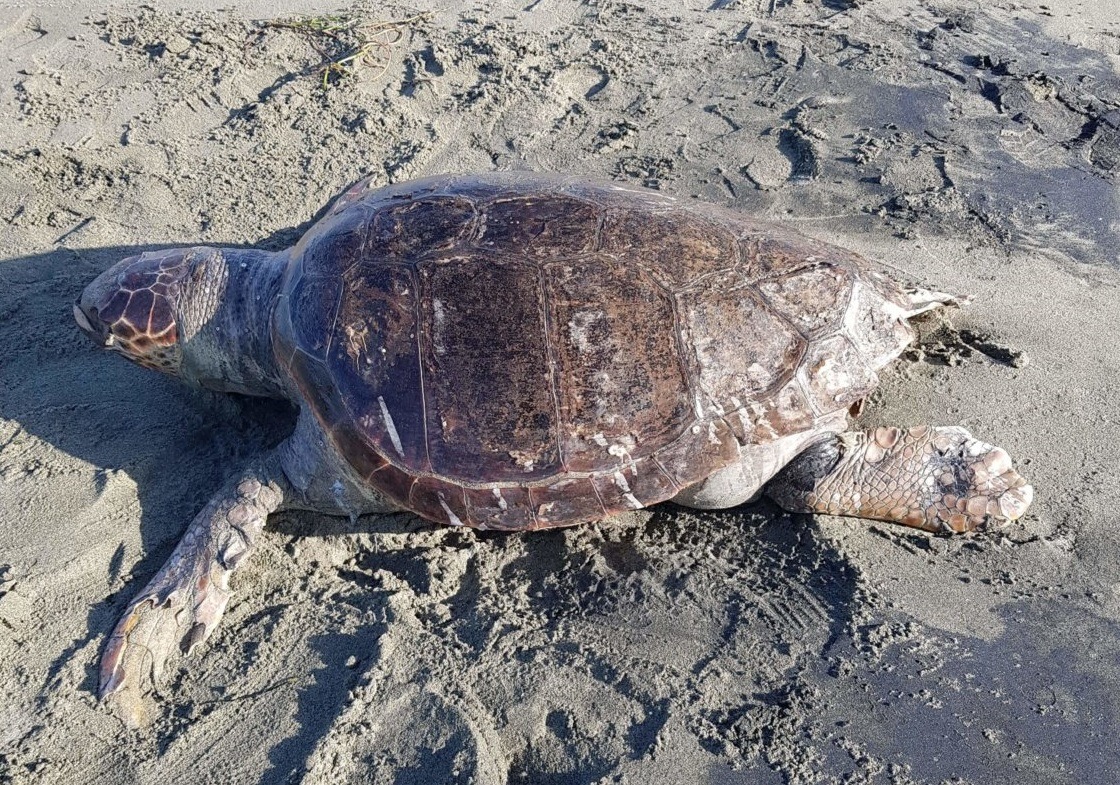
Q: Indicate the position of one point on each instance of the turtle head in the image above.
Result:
(133, 308)
(201, 314)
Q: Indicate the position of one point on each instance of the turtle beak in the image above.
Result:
(101, 337)
(81, 318)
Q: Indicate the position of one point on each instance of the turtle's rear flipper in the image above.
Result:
(922, 300)
(184, 601)
(937, 479)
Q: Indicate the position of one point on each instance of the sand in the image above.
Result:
(973, 147)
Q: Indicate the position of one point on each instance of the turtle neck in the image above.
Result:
(226, 321)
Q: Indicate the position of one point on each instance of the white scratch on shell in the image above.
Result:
(451, 516)
(439, 319)
(394, 437)
(502, 503)
(713, 438)
(631, 499)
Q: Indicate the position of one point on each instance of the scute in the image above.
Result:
(623, 391)
(765, 357)
(506, 507)
(813, 299)
(634, 485)
(876, 326)
(374, 356)
(679, 247)
(539, 227)
(407, 229)
(703, 448)
(784, 411)
(769, 252)
(308, 313)
(835, 375)
(491, 414)
(339, 246)
(565, 499)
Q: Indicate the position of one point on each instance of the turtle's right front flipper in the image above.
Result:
(184, 601)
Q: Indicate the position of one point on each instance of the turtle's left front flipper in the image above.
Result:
(184, 601)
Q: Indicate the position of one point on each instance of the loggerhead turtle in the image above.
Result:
(519, 351)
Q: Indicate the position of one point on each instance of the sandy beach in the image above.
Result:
(968, 147)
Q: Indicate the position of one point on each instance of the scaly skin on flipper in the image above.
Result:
(937, 479)
(185, 600)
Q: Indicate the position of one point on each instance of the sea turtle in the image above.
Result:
(519, 351)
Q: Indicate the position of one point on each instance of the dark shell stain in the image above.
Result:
(491, 409)
(518, 351)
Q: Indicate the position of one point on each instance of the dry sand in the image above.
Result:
(971, 146)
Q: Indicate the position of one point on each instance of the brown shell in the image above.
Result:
(520, 351)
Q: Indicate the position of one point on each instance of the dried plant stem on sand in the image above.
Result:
(346, 44)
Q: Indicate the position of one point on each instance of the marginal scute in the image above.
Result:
(438, 500)
(611, 195)
(814, 299)
(679, 247)
(505, 508)
(770, 417)
(566, 500)
(702, 449)
(394, 482)
(311, 374)
(633, 485)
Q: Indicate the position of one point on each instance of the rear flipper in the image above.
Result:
(936, 479)
(922, 300)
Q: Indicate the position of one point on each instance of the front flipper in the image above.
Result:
(184, 601)
(937, 479)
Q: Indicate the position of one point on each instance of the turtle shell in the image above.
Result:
(520, 351)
